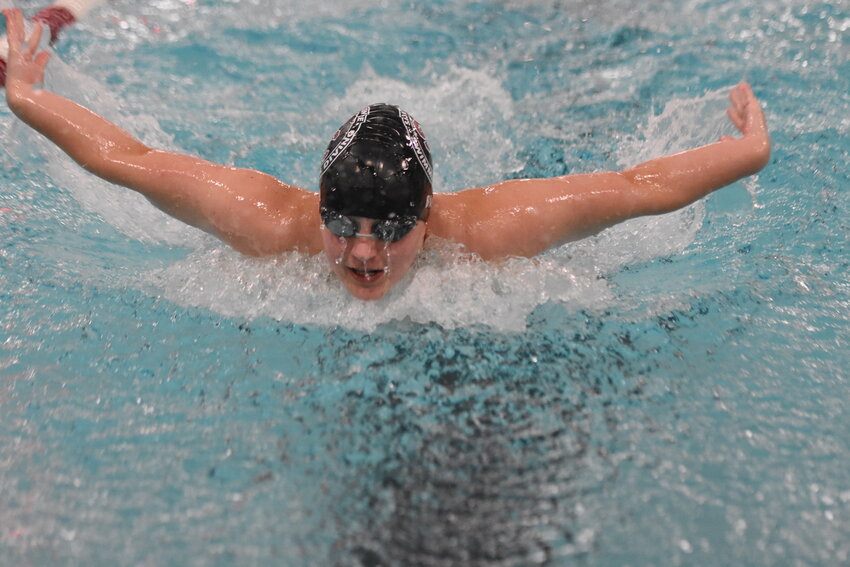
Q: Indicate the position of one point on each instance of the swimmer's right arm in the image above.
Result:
(251, 211)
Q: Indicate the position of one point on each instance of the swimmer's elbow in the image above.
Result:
(131, 154)
(107, 160)
(645, 190)
(116, 163)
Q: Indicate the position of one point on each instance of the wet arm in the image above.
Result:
(251, 211)
(526, 217)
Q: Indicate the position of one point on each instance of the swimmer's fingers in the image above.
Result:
(738, 95)
(755, 121)
(33, 74)
(35, 38)
(737, 107)
(41, 61)
(16, 32)
(745, 111)
(736, 118)
(24, 63)
(14, 28)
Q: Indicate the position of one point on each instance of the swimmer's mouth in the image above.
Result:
(366, 276)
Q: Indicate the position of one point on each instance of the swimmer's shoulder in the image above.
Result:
(474, 219)
(452, 215)
(279, 217)
(458, 218)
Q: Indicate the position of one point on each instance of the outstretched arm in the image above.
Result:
(525, 217)
(251, 211)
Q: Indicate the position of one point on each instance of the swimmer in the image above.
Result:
(375, 209)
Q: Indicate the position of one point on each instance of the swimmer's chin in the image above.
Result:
(367, 287)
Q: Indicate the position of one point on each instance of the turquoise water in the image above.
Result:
(673, 391)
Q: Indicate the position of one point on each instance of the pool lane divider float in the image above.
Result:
(56, 17)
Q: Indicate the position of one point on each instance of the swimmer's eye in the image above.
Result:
(341, 226)
(393, 230)
(389, 230)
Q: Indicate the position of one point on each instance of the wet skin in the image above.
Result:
(369, 267)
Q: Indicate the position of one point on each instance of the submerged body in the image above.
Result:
(260, 215)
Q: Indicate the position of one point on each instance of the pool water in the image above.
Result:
(672, 391)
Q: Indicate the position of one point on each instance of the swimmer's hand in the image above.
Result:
(746, 114)
(25, 64)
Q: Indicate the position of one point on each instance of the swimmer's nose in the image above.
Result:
(364, 247)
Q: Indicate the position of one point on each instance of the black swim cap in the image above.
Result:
(378, 165)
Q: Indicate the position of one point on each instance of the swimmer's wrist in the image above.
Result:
(761, 151)
(753, 149)
(18, 93)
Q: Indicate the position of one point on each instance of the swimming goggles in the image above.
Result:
(387, 230)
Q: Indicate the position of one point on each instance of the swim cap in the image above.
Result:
(378, 165)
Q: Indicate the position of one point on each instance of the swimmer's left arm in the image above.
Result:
(525, 217)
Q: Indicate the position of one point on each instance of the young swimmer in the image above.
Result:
(375, 208)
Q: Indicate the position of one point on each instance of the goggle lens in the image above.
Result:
(387, 230)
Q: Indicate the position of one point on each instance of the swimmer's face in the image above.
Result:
(369, 267)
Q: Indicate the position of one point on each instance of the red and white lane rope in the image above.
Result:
(55, 17)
